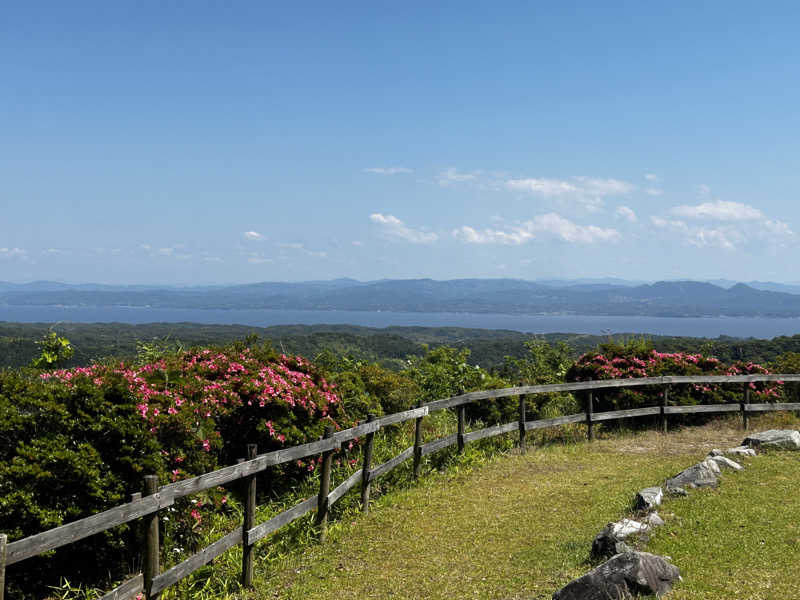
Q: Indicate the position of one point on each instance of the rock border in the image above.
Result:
(629, 572)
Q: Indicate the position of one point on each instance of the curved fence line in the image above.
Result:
(152, 582)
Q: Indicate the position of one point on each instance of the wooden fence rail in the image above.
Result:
(146, 506)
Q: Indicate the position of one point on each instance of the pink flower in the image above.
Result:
(206, 446)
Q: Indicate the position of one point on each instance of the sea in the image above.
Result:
(711, 327)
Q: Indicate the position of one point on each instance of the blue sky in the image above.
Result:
(201, 142)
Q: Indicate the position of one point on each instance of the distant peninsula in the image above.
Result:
(499, 296)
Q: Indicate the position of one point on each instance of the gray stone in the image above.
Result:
(716, 452)
(726, 463)
(653, 520)
(624, 576)
(648, 498)
(607, 542)
(741, 451)
(696, 476)
(786, 439)
(712, 465)
(676, 491)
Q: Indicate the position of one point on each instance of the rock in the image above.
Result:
(716, 452)
(741, 451)
(648, 498)
(712, 465)
(726, 463)
(607, 542)
(627, 575)
(696, 476)
(676, 491)
(653, 520)
(787, 439)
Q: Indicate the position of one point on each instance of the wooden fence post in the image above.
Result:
(368, 449)
(663, 409)
(462, 423)
(523, 444)
(743, 406)
(589, 417)
(3, 542)
(249, 520)
(418, 444)
(150, 566)
(324, 488)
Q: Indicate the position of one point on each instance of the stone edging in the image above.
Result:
(629, 572)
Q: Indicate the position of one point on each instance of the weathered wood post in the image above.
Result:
(324, 488)
(743, 406)
(150, 566)
(368, 448)
(663, 409)
(523, 444)
(589, 417)
(418, 443)
(249, 520)
(3, 543)
(462, 425)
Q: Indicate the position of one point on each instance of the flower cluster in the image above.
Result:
(621, 362)
(205, 405)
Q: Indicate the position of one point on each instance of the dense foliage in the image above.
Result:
(76, 441)
(637, 358)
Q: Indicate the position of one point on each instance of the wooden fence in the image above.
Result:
(147, 504)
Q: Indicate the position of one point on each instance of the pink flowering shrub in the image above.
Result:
(77, 441)
(616, 361)
(203, 406)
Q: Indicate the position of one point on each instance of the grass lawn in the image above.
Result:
(520, 526)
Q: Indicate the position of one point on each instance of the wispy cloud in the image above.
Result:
(719, 210)
(395, 228)
(550, 224)
(253, 236)
(576, 186)
(388, 170)
(13, 253)
(452, 176)
(625, 212)
(652, 177)
(727, 235)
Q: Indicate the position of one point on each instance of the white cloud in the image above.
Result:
(570, 232)
(719, 210)
(388, 170)
(777, 229)
(451, 176)
(651, 191)
(543, 187)
(357, 243)
(256, 259)
(253, 236)
(395, 228)
(652, 177)
(627, 213)
(13, 253)
(548, 224)
(726, 236)
(576, 186)
(514, 237)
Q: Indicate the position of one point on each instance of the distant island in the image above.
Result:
(499, 296)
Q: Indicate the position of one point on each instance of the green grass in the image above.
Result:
(489, 525)
(521, 526)
(741, 540)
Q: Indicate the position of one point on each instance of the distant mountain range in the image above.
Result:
(506, 296)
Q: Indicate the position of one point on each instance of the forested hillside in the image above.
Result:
(388, 346)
